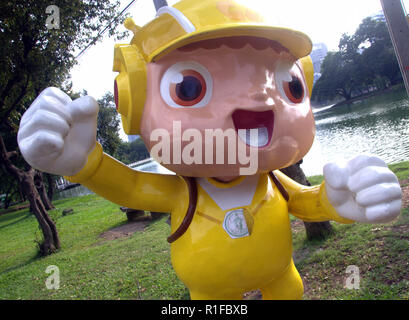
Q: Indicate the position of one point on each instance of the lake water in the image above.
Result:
(378, 125)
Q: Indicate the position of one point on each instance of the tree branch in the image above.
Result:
(4, 158)
(15, 102)
(10, 84)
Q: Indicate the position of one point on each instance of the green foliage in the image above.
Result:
(130, 152)
(316, 180)
(337, 78)
(365, 62)
(33, 57)
(9, 188)
(108, 124)
(108, 136)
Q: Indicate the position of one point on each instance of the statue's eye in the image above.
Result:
(186, 85)
(291, 84)
(190, 90)
(294, 90)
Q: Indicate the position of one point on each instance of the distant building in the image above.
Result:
(318, 54)
(133, 138)
(379, 16)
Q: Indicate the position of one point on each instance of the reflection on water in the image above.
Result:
(379, 125)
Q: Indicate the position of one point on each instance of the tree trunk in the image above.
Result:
(21, 194)
(314, 230)
(51, 186)
(39, 183)
(318, 230)
(51, 241)
(9, 195)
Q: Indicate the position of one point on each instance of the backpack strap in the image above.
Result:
(280, 187)
(191, 184)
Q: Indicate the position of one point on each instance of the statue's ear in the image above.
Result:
(130, 86)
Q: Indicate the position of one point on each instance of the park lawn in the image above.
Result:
(381, 252)
(90, 267)
(138, 267)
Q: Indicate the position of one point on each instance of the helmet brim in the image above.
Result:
(298, 43)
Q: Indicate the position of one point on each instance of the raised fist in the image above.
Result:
(56, 134)
(363, 189)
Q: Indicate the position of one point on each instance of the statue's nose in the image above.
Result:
(260, 96)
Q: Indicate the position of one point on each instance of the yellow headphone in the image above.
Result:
(186, 22)
(130, 86)
(308, 69)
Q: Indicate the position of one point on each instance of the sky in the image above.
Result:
(322, 20)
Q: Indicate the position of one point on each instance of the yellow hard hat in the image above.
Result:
(190, 21)
(186, 22)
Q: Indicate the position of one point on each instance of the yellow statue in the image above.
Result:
(223, 100)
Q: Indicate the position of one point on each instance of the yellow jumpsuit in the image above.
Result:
(211, 261)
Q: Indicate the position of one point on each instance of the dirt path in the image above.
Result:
(124, 231)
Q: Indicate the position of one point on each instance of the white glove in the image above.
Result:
(363, 190)
(56, 134)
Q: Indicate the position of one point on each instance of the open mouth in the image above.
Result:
(247, 121)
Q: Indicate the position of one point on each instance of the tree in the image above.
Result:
(365, 61)
(108, 124)
(336, 78)
(130, 152)
(378, 55)
(41, 189)
(26, 180)
(10, 189)
(33, 57)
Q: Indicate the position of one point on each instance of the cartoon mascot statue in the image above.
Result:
(201, 77)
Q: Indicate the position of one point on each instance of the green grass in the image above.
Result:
(401, 170)
(381, 252)
(138, 267)
(316, 180)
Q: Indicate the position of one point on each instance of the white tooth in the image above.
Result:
(262, 137)
(254, 137)
(242, 135)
